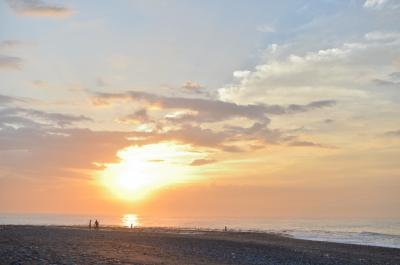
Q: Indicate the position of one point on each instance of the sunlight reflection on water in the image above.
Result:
(130, 220)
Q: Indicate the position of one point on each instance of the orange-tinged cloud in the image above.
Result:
(39, 8)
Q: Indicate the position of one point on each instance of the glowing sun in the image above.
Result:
(143, 169)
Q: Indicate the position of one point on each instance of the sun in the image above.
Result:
(144, 169)
(130, 220)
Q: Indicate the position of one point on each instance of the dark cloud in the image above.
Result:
(258, 131)
(186, 125)
(47, 144)
(139, 116)
(190, 85)
(38, 8)
(9, 44)
(4, 100)
(201, 162)
(197, 136)
(59, 119)
(395, 75)
(293, 108)
(208, 110)
(232, 149)
(383, 82)
(10, 62)
(101, 82)
(54, 152)
(41, 142)
(308, 144)
(17, 121)
(104, 99)
(392, 80)
(226, 140)
(395, 133)
(39, 84)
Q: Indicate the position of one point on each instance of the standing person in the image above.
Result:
(90, 224)
(96, 224)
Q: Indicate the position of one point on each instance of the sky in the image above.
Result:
(279, 109)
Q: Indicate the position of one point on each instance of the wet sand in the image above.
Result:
(74, 245)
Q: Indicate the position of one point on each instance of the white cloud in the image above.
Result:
(340, 72)
(382, 36)
(266, 28)
(374, 3)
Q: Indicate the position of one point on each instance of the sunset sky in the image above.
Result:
(200, 108)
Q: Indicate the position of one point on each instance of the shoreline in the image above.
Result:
(28, 244)
(177, 229)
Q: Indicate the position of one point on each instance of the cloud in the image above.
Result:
(305, 144)
(58, 119)
(266, 29)
(182, 119)
(394, 133)
(202, 162)
(52, 152)
(139, 116)
(101, 82)
(395, 75)
(392, 80)
(10, 62)
(40, 84)
(42, 142)
(190, 85)
(207, 110)
(340, 73)
(196, 136)
(374, 3)
(310, 106)
(258, 132)
(38, 8)
(10, 44)
(156, 160)
(384, 36)
(4, 100)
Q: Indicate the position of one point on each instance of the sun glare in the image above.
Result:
(144, 169)
(130, 220)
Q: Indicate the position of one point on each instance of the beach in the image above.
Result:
(79, 245)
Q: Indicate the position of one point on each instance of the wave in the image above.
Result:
(360, 238)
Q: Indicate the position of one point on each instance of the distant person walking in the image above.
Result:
(90, 224)
(96, 224)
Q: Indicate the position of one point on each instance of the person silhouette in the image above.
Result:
(96, 224)
(90, 224)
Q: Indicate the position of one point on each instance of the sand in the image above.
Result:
(74, 245)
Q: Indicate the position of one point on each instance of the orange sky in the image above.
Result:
(196, 109)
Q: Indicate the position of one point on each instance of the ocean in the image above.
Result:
(374, 232)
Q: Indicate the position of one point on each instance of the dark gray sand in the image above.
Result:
(72, 245)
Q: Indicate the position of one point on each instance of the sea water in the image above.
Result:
(375, 232)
